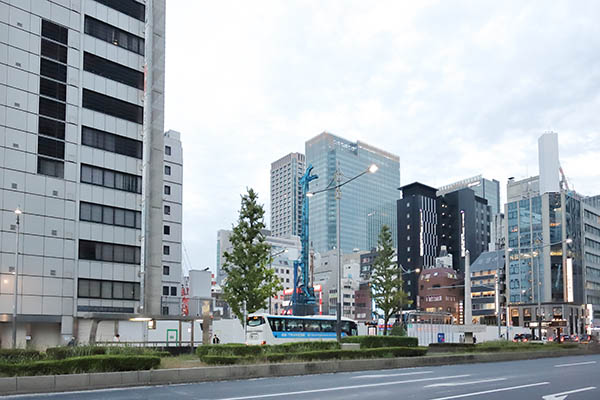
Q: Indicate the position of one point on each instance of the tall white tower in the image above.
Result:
(548, 162)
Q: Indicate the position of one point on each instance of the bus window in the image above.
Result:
(346, 327)
(353, 329)
(327, 326)
(294, 325)
(255, 321)
(312, 325)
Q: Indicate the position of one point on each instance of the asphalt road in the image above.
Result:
(570, 378)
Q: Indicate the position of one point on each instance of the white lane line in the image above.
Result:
(388, 375)
(571, 365)
(465, 383)
(332, 389)
(563, 395)
(458, 396)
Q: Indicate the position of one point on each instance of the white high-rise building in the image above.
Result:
(286, 195)
(81, 155)
(172, 200)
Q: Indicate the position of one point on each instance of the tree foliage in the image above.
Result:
(249, 276)
(386, 279)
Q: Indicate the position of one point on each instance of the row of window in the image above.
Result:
(109, 252)
(111, 34)
(589, 257)
(112, 70)
(130, 7)
(110, 215)
(53, 94)
(592, 243)
(111, 142)
(592, 229)
(112, 106)
(111, 179)
(113, 290)
(591, 216)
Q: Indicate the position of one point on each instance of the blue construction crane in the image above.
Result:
(303, 297)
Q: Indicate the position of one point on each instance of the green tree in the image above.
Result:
(249, 277)
(386, 279)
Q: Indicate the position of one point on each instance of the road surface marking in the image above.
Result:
(332, 389)
(465, 383)
(387, 375)
(570, 365)
(458, 396)
(563, 395)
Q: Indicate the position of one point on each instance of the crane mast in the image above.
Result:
(303, 297)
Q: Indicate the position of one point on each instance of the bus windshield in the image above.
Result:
(255, 321)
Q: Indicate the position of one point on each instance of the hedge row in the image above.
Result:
(98, 363)
(15, 355)
(242, 350)
(371, 342)
(496, 346)
(320, 355)
(61, 353)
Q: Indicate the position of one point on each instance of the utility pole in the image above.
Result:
(338, 198)
(15, 298)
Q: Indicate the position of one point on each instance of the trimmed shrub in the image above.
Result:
(277, 357)
(363, 353)
(98, 363)
(60, 353)
(16, 355)
(221, 360)
(398, 330)
(231, 349)
(296, 347)
(370, 342)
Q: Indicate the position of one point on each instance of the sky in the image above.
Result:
(454, 88)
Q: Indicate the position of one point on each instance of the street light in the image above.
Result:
(338, 196)
(18, 213)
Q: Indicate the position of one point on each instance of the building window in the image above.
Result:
(130, 7)
(165, 290)
(113, 71)
(114, 35)
(111, 142)
(165, 310)
(113, 106)
(167, 230)
(109, 252)
(52, 69)
(173, 290)
(55, 32)
(52, 109)
(112, 290)
(168, 150)
(50, 127)
(167, 210)
(111, 179)
(167, 189)
(110, 215)
(51, 147)
(167, 170)
(166, 250)
(53, 89)
(51, 167)
(166, 270)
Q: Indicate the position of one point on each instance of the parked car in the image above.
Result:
(523, 337)
(585, 339)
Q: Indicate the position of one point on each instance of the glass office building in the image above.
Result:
(359, 198)
(541, 264)
(484, 188)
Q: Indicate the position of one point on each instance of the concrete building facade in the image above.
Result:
(172, 225)
(286, 195)
(81, 137)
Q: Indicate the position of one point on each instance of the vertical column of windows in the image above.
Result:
(52, 100)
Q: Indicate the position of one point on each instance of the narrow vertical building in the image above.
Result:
(286, 195)
(172, 228)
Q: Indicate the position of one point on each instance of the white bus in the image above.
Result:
(276, 329)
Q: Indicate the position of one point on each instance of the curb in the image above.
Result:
(76, 382)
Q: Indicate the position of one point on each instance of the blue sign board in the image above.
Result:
(441, 337)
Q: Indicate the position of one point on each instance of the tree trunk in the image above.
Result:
(385, 324)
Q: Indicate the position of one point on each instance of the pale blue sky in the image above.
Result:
(455, 88)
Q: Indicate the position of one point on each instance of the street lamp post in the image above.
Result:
(338, 197)
(18, 213)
